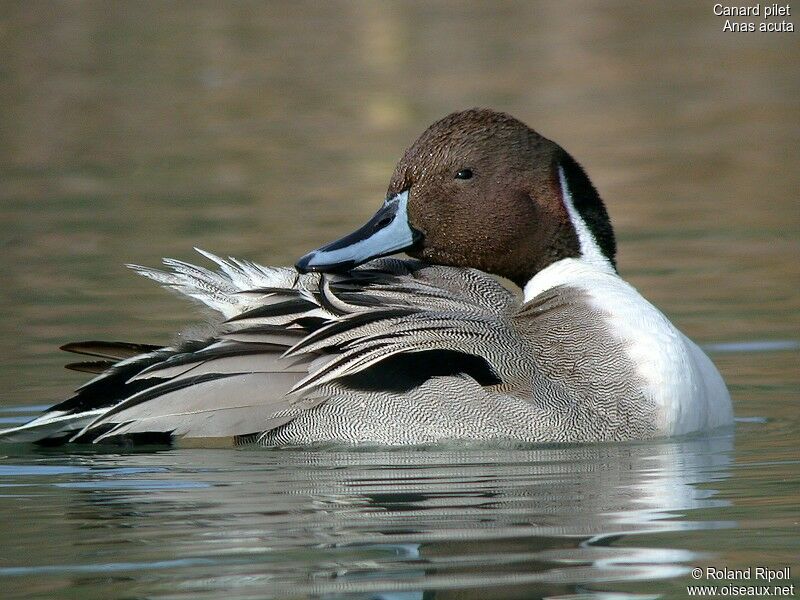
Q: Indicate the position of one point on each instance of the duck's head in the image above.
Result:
(481, 189)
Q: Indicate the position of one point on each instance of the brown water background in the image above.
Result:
(135, 130)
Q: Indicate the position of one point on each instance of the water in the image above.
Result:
(134, 131)
(458, 522)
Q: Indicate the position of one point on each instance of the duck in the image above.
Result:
(355, 346)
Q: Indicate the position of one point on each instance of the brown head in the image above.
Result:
(479, 189)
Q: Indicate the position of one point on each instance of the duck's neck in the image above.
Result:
(592, 256)
(590, 250)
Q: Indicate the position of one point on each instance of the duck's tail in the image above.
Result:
(116, 363)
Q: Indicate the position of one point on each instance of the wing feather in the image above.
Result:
(285, 337)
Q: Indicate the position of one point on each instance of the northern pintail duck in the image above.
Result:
(352, 347)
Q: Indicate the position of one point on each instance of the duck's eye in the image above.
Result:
(464, 174)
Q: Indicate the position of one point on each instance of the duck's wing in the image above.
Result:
(197, 384)
(285, 335)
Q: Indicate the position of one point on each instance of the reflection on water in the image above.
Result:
(458, 522)
(131, 131)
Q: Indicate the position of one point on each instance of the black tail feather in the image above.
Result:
(92, 366)
(109, 350)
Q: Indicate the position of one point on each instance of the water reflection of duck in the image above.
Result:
(410, 352)
(454, 521)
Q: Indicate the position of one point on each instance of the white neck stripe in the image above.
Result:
(590, 250)
(590, 263)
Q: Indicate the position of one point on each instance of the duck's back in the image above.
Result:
(542, 372)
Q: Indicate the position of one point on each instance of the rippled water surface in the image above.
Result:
(131, 131)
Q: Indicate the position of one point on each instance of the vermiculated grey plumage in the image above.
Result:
(395, 352)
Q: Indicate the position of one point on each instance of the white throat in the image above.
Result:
(591, 260)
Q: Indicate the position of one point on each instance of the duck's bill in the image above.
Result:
(388, 232)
